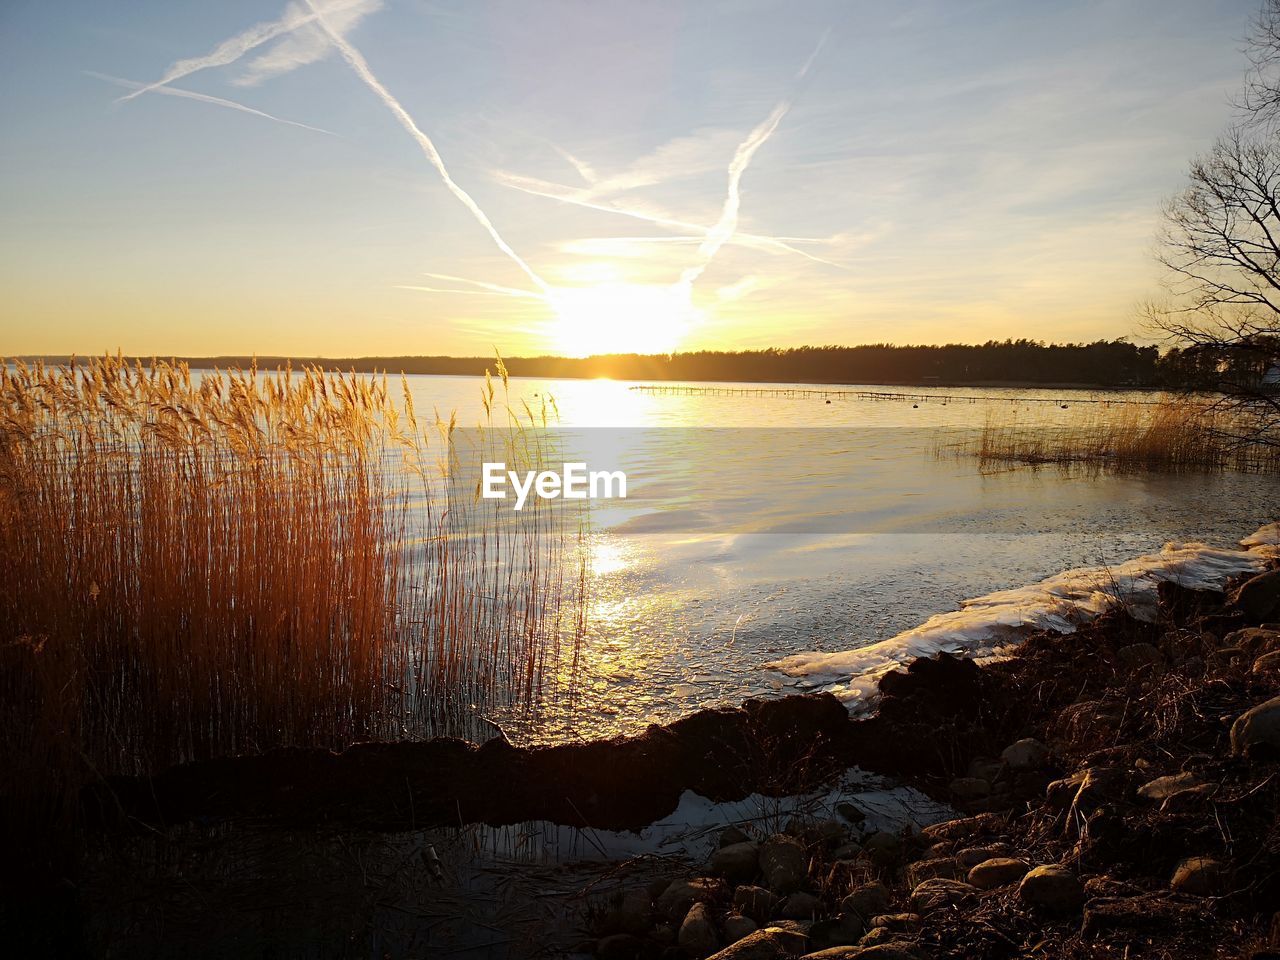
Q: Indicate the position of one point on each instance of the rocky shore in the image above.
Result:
(1119, 790)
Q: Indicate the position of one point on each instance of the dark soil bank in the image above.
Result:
(1119, 791)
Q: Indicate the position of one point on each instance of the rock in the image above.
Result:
(620, 946)
(1199, 876)
(840, 931)
(784, 861)
(1259, 599)
(663, 933)
(970, 857)
(1254, 641)
(697, 936)
(680, 895)
(771, 943)
(868, 900)
(755, 902)
(885, 950)
(899, 922)
(938, 894)
(846, 851)
(997, 872)
(1267, 663)
(851, 813)
(1028, 754)
(1162, 788)
(800, 906)
(1138, 655)
(1060, 793)
(985, 768)
(731, 835)
(883, 848)
(964, 827)
(736, 927)
(634, 913)
(970, 788)
(922, 870)
(737, 863)
(1257, 731)
(1052, 888)
(830, 832)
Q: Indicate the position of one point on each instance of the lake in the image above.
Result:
(759, 527)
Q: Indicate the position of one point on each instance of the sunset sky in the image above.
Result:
(911, 172)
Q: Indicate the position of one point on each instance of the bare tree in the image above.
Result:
(1221, 249)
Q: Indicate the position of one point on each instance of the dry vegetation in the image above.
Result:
(196, 567)
(1175, 434)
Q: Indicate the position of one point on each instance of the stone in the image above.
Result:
(963, 827)
(1162, 788)
(800, 906)
(868, 900)
(851, 813)
(1135, 656)
(922, 870)
(970, 788)
(1060, 793)
(997, 872)
(846, 851)
(736, 927)
(1259, 598)
(771, 943)
(755, 902)
(830, 831)
(1254, 641)
(680, 895)
(737, 863)
(938, 894)
(883, 848)
(1027, 754)
(1098, 785)
(635, 912)
(970, 857)
(985, 768)
(731, 835)
(1257, 731)
(886, 950)
(1199, 876)
(839, 931)
(784, 861)
(1267, 663)
(697, 936)
(1053, 888)
(898, 922)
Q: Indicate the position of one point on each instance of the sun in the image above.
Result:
(622, 318)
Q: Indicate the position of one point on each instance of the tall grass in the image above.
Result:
(1176, 434)
(197, 567)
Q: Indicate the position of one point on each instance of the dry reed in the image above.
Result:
(196, 567)
(1176, 434)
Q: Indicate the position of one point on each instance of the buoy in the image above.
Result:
(1064, 406)
(915, 406)
(828, 401)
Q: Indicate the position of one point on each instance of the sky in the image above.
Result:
(396, 177)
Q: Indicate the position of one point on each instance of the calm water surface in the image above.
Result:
(871, 533)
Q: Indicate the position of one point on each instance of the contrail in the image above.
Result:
(229, 51)
(539, 188)
(468, 293)
(492, 287)
(205, 98)
(357, 63)
(727, 225)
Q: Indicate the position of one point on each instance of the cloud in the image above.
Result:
(206, 98)
(229, 51)
(307, 42)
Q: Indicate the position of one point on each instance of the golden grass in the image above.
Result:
(1175, 434)
(196, 567)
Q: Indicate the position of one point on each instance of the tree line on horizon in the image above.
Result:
(1106, 363)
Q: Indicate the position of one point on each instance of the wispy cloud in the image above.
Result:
(727, 225)
(291, 52)
(357, 62)
(206, 98)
